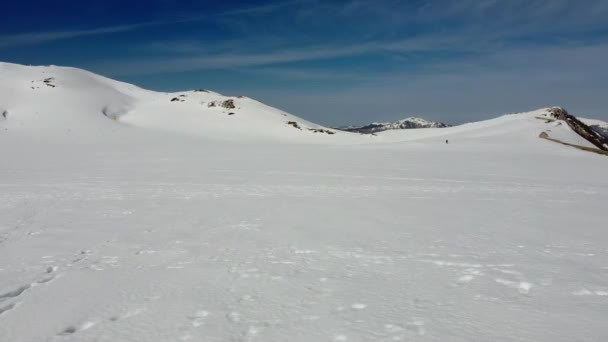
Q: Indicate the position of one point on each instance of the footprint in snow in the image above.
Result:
(15, 293)
(74, 329)
(416, 326)
(128, 314)
(7, 308)
(586, 292)
(198, 318)
(522, 287)
(233, 317)
(465, 279)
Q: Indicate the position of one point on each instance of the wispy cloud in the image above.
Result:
(180, 56)
(471, 26)
(32, 38)
(266, 8)
(232, 60)
(364, 16)
(51, 36)
(309, 74)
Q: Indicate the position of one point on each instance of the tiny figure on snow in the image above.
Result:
(446, 141)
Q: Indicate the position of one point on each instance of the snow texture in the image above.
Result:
(126, 216)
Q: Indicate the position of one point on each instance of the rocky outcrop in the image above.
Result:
(603, 131)
(294, 124)
(49, 82)
(580, 127)
(320, 130)
(229, 104)
(558, 113)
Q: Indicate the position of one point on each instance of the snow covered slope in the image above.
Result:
(47, 100)
(504, 132)
(51, 103)
(110, 231)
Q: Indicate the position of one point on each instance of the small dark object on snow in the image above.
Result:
(446, 141)
(47, 82)
(230, 113)
(319, 130)
(228, 104)
(174, 99)
(294, 124)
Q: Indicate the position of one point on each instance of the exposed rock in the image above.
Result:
(294, 124)
(48, 82)
(228, 104)
(580, 127)
(558, 113)
(603, 131)
(320, 130)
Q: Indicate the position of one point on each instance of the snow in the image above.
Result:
(595, 122)
(83, 102)
(407, 123)
(163, 226)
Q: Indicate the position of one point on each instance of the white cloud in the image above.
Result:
(50, 36)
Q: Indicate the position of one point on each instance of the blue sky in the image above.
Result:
(335, 62)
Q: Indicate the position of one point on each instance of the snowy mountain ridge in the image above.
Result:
(413, 122)
(43, 99)
(50, 102)
(407, 123)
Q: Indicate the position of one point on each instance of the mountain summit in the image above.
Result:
(408, 123)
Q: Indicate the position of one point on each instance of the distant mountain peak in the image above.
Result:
(407, 123)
